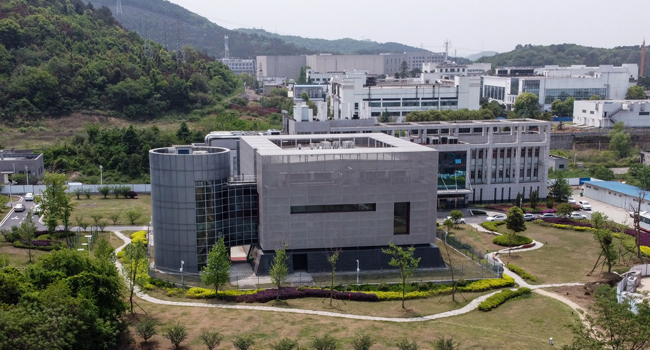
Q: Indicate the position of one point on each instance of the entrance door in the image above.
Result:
(300, 262)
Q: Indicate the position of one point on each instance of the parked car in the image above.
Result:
(571, 200)
(643, 212)
(29, 197)
(19, 207)
(498, 217)
(578, 216)
(584, 205)
(36, 210)
(459, 221)
(546, 216)
(529, 217)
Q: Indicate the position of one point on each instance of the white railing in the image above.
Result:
(38, 189)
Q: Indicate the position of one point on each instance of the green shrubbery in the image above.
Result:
(492, 225)
(515, 240)
(139, 236)
(501, 297)
(523, 274)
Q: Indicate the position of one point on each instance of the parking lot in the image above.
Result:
(17, 218)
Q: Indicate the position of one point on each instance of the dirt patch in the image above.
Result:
(581, 295)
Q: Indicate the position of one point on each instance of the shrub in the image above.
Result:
(243, 342)
(383, 287)
(326, 342)
(501, 297)
(157, 282)
(492, 225)
(146, 328)
(523, 274)
(44, 245)
(406, 345)
(362, 342)
(139, 236)
(517, 240)
(210, 339)
(176, 334)
(132, 194)
(133, 216)
(563, 227)
(483, 285)
(120, 254)
(285, 344)
(645, 251)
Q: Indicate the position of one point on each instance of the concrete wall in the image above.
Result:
(280, 66)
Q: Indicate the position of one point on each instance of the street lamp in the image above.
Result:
(182, 282)
(357, 272)
(27, 173)
(101, 175)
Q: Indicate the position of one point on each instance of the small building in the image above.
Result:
(645, 157)
(239, 66)
(617, 194)
(20, 162)
(604, 114)
(557, 162)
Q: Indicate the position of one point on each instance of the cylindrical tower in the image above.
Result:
(179, 177)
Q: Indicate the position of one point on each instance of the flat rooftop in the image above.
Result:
(331, 144)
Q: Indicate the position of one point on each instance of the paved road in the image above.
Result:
(17, 218)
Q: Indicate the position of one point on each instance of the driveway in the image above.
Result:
(616, 214)
(15, 219)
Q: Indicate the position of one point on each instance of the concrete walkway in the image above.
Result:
(507, 250)
(467, 308)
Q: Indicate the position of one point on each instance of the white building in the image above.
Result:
(434, 71)
(603, 114)
(357, 96)
(552, 83)
(239, 66)
(617, 194)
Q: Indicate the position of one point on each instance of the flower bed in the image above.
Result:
(40, 244)
(526, 209)
(517, 240)
(584, 226)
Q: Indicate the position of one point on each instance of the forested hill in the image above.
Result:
(61, 56)
(566, 54)
(170, 25)
(342, 46)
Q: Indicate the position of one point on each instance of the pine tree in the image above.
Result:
(217, 271)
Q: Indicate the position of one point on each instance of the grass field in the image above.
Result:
(86, 208)
(18, 257)
(518, 324)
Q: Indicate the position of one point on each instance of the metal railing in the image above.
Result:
(470, 252)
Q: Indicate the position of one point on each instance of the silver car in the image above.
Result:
(578, 216)
(529, 217)
(498, 217)
(19, 207)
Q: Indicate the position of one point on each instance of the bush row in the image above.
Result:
(523, 274)
(44, 245)
(492, 225)
(501, 297)
(517, 240)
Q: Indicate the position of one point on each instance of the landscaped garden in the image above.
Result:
(112, 211)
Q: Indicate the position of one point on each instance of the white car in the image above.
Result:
(459, 221)
(584, 205)
(19, 207)
(29, 197)
(529, 217)
(578, 216)
(498, 217)
(571, 200)
(36, 210)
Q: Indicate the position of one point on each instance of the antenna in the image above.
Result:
(227, 52)
(119, 8)
(642, 59)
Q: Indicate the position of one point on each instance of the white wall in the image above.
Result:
(634, 113)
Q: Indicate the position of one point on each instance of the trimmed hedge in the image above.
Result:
(645, 251)
(44, 245)
(517, 240)
(523, 274)
(492, 225)
(497, 299)
(139, 236)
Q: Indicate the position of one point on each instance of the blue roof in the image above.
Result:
(619, 187)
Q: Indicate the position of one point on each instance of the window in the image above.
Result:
(332, 208)
(401, 218)
(591, 112)
(584, 111)
(478, 130)
(644, 113)
(561, 166)
(464, 130)
(375, 104)
(392, 104)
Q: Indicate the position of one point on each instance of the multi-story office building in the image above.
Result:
(603, 114)
(239, 66)
(480, 161)
(553, 82)
(313, 192)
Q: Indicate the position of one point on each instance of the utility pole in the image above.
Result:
(642, 59)
(119, 8)
(447, 43)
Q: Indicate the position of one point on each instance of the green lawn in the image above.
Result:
(481, 241)
(18, 257)
(97, 205)
(525, 323)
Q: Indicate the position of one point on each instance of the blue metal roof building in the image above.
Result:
(617, 194)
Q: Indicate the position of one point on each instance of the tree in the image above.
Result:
(243, 342)
(78, 192)
(444, 343)
(217, 270)
(564, 210)
(285, 344)
(404, 344)
(515, 222)
(550, 202)
(28, 233)
(210, 339)
(534, 199)
(599, 220)
(641, 176)
(176, 334)
(183, 134)
(404, 260)
(332, 259)
(302, 76)
(636, 210)
(560, 189)
(134, 257)
(116, 190)
(54, 199)
(362, 342)
(605, 240)
(304, 96)
(146, 328)
(3, 201)
(594, 98)
(611, 324)
(620, 141)
(456, 215)
(133, 216)
(563, 108)
(448, 224)
(105, 251)
(326, 342)
(404, 70)
(385, 116)
(527, 106)
(97, 218)
(115, 216)
(602, 173)
(635, 92)
(279, 269)
(104, 190)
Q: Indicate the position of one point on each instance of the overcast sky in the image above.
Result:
(470, 25)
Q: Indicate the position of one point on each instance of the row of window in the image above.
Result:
(332, 208)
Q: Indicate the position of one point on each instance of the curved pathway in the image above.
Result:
(467, 308)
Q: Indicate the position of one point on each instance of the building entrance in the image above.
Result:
(451, 202)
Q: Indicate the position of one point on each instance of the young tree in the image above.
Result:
(385, 116)
(87, 193)
(332, 259)
(444, 343)
(28, 233)
(456, 215)
(104, 190)
(78, 192)
(176, 334)
(515, 222)
(404, 260)
(116, 190)
(611, 324)
(97, 218)
(404, 70)
(279, 269)
(101, 225)
(115, 216)
(147, 328)
(620, 141)
(53, 200)
(67, 207)
(448, 224)
(243, 342)
(564, 210)
(599, 220)
(605, 240)
(560, 189)
(133, 216)
(636, 211)
(210, 339)
(362, 342)
(104, 251)
(326, 342)
(404, 344)
(134, 257)
(285, 344)
(534, 199)
(550, 202)
(217, 270)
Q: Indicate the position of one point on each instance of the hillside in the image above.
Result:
(169, 24)
(62, 56)
(566, 54)
(342, 46)
(476, 56)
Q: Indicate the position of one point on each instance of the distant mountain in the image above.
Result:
(566, 54)
(476, 56)
(170, 25)
(341, 46)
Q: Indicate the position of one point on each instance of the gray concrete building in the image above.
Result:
(558, 163)
(21, 162)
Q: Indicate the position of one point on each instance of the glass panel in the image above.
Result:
(401, 218)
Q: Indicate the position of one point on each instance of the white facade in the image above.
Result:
(435, 71)
(314, 92)
(617, 194)
(239, 66)
(351, 98)
(603, 114)
(554, 83)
